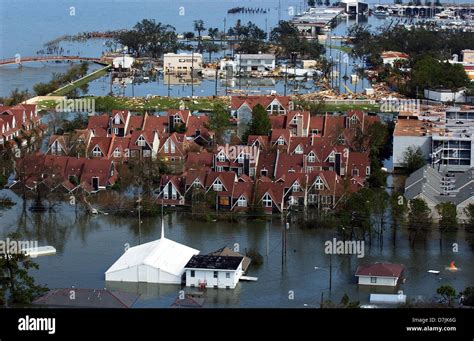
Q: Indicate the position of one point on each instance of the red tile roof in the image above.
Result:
(265, 101)
(380, 270)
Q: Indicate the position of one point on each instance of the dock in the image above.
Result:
(248, 278)
(40, 251)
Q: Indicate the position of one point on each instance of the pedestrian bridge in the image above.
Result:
(23, 60)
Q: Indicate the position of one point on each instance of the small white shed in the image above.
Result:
(214, 271)
(124, 62)
(380, 274)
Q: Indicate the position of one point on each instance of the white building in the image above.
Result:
(182, 62)
(159, 261)
(390, 57)
(446, 95)
(354, 6)
(254, 62)
(124, 62)
(379, 274)
(213, 271)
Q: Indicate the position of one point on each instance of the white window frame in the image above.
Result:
(141, 142)
(217, 186)
(117, 152)
(242, 202)
(367, 170)
(319, 184)
(267, 200)
(96, 152)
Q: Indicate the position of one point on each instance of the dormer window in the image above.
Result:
(355, 172)
(311, 157)
(141, 141)
(96, 152)
(117, 119)
(267, 201)
(281, 141)
(117, 152)
(319, 184)
(296, 187)
(217, 186)
(221, 157)
(332, 157)
(242, 202)
(196, 183)
(299, 150)
(177, 119)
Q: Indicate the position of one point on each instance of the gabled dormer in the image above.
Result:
(319, 183)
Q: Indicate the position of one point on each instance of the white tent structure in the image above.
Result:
(159, 261)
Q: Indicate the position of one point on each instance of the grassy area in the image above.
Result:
(351, 106)
(80, 82)
(343, 48)
(156, 103)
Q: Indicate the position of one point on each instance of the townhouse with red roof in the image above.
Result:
(241, 106)
(65, 173)
(18, 121)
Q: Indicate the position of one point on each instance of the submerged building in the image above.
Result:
(160, 261)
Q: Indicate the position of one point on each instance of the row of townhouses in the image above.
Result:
(17, 122)
(304, 160)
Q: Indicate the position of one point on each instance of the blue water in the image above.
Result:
(26, 25)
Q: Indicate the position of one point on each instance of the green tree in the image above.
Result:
(429, 72)
(419, 218)
(16, 285)
(447, 292)
(288, 39)
(259, 124)
(468, 297)
(199, 27)
(469, 224)
(398, 209)
(413, 159)
(448, 216)
(210, 47)
(219, 120)
(213, 32)
(16, 96)
(150, 38)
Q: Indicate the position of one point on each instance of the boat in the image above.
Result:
(381, 13)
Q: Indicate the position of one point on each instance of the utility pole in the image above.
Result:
(169, 79)
(216, 80)
(339, 87)
(330, 272)
(192, 73)
(268, 239)
(139, 201)
(286, 79)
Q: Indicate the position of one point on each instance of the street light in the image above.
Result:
(169, 87)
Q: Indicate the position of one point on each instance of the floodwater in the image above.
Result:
(88, 246)
(16, 37)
